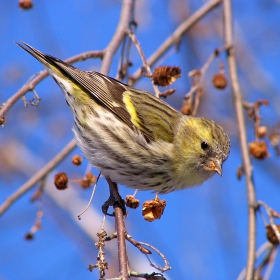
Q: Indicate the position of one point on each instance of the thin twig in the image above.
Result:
(271, 263)
(267, 262)
(126, 12)
(265, 247)
(214, 55)
(111, 237)
(138, 245)
(147, 276)
(177, 34)
(144, 60)
(238, 102)
(124, 62)
(271, 215)
(31, 83)
(196, 91)
(37, 177)
(166, 264)
(91, 197)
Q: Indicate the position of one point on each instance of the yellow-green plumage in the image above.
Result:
(134, 138)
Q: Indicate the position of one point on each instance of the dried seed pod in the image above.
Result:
(25, 4)
(132, 202)
(61, 181)
(262, 102)
(240, 172)
(153, 209)
(29, 236)
(166, 75)
(271, 236)
(219, 81)
(167, 93)
(187, 109)
(261, 131)
(258, 150)
(77, 160)
(88, 180)
(274, 139)
(2, 121)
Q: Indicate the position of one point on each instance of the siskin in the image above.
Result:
(134, 138)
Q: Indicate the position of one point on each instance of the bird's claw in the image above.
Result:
(112, 201)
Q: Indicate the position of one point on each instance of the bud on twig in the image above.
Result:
(61, 181)
(271, 236)
(219, 81)
(261, 131)
(2, 121)
(88, 180)
(77, 160)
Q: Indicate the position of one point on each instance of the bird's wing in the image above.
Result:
(140, 110)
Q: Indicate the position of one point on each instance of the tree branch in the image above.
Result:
(126, 12)
(238, 102)
(37, 177)
(177, 34)
(144, 60)
(30, 85)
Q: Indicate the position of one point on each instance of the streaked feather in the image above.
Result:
(110, 93)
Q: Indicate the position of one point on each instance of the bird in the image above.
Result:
(134, 138)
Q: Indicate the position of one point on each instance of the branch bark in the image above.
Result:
(238, 103)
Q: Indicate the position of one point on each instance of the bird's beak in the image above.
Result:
(214, 165)
(218, 167)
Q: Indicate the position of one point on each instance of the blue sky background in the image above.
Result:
(203, 232)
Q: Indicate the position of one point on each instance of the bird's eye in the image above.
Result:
(204, 145)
